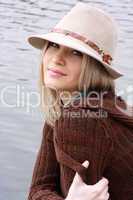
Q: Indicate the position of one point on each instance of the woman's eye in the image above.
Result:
(78, 53)
(53, 44)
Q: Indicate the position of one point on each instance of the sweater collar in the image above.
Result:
(113, 104)
(83, 99)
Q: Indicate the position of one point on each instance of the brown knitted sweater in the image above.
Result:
(107, 142)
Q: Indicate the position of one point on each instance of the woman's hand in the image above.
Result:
(81, 191)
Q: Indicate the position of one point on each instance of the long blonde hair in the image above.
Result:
(93, 77)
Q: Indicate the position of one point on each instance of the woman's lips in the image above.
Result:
(55, 72)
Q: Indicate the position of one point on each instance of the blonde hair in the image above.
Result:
(93, 77)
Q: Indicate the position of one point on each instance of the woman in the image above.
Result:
(87, 141)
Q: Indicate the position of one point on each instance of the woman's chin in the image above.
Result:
(55, 86)
(54, 82)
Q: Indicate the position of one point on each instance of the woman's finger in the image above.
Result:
(101, 187)
(77, 179)
(102, 183)
(106, 197)
(104, 194)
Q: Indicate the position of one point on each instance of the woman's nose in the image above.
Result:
(59, 58)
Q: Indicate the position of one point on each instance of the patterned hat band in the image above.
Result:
(105, 57)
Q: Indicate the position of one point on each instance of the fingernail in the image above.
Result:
(106, 180)
(86, 163)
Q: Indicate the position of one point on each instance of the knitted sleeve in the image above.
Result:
(45, 179)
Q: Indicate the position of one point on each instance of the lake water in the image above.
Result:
(21, 125)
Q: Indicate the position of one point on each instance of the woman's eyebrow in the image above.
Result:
(67, 48)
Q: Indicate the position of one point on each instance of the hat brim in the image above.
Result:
(38, 41)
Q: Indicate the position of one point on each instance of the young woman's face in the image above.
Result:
(67, 62)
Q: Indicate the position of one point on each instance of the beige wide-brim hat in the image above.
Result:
(87, 29)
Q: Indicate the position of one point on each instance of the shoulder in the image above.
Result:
(107, 114)
(86, 119)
